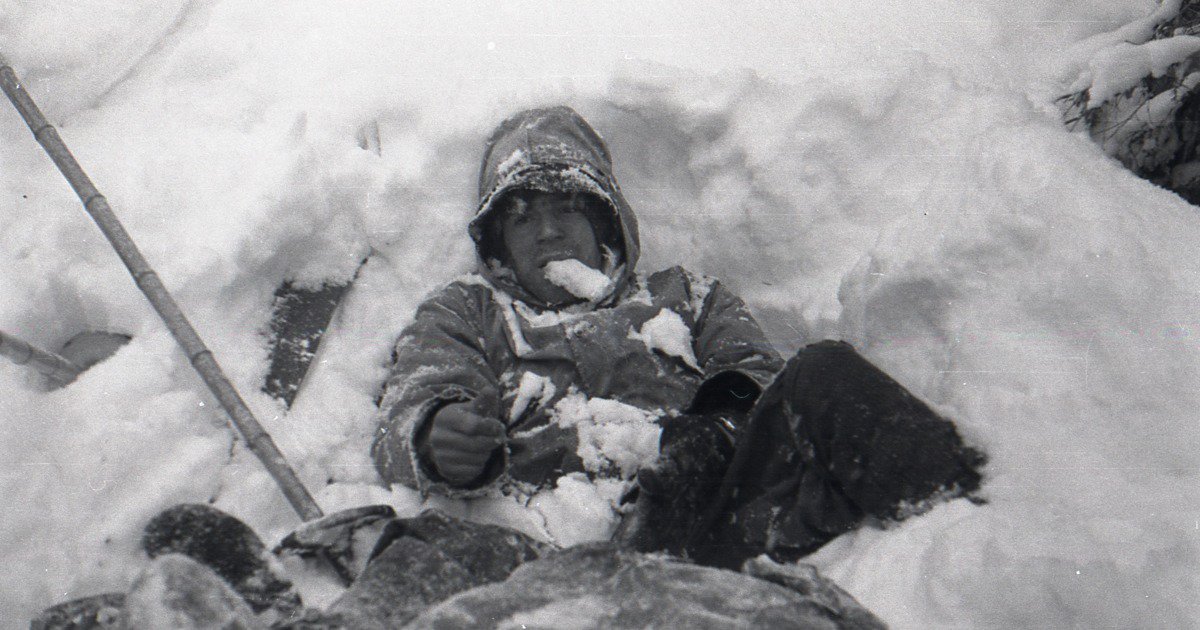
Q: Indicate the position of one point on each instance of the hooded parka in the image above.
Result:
(487, 340)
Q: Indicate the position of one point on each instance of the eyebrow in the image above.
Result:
(517, 206)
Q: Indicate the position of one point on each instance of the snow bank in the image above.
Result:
(881, 172)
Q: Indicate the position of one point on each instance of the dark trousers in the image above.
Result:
(831, 442)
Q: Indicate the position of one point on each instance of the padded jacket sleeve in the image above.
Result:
(732, 350)
(440, 358)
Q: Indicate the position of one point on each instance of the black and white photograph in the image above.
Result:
(382, 314)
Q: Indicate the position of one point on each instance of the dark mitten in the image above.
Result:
(694, 451)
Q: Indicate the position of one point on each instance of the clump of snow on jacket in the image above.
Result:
(580, 389)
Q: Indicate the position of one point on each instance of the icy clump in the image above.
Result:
(614, 439)
(532, 387)
(611, 433)
(578, 510)
(667, 333)
(700, 288)
(575, 509)
(578, 279)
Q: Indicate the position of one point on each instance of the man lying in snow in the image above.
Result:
(558, 360)
(489, 380)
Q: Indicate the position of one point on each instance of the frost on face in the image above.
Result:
(578, 279)
(611, 434)
(667, 333)
(532, 387)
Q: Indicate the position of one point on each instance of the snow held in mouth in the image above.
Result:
(578, 279)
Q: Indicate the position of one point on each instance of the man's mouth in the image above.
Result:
(549, 257)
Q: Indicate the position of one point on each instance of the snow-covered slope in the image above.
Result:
(875, 171)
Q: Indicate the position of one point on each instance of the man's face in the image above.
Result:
(540, 227)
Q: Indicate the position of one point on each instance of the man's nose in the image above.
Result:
(549, 228)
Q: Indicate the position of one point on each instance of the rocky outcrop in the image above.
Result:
(1138, 97)
(600, 586)
(435, 571)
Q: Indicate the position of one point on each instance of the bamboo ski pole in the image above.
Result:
(58, 369)
(201, 357)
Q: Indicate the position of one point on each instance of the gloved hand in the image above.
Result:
(461, 442)
(694, 451)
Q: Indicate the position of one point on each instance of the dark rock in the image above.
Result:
(421, 561)
(87, 613)
(93, 346)
(405, 579)
(339, 536)
(434, 571)
(299, 317)
(600, 586)
(176, 591)
(807, 581)
(1156, 143)
(227, 546)
(488, 551)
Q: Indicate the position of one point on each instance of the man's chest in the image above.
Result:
(637, 353)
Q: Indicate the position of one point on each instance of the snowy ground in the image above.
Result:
(889, 173)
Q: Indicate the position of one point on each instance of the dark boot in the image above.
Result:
(227, 546)
(830, 443)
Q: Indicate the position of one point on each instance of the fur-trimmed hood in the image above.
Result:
(553, 150)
